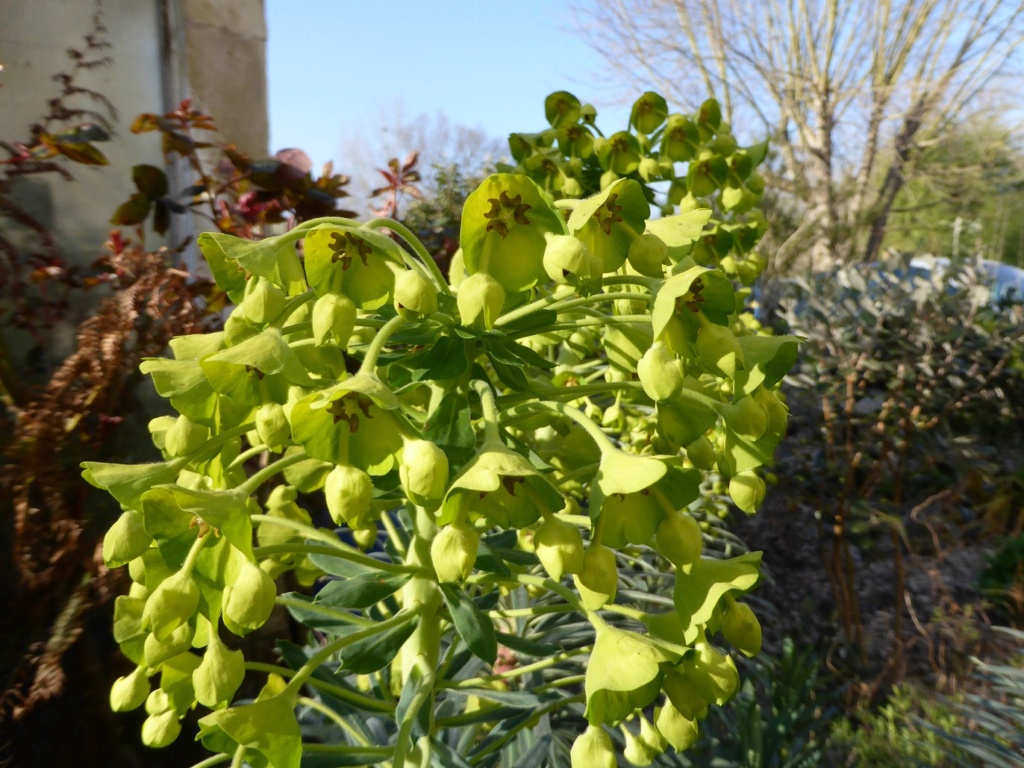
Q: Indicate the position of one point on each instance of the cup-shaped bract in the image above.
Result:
(249, 600)
(161, 730)
(125, 540)
(263, 301)
(453, 552)
(593, 749)
(742, 629)
(170, 605)
(679, 539)
(624, 674)
(712, 673)
(480, 299)
(185, 437)
(647, 254)
(349, 493)
(423, 471)
(559, 546)
(747, 490)
(129, 692)
(567, 260)
(701, 453)
(219, 675)
(719, 350)
(272, 426)
(660, 372)
(415, 295)
(599, 576)
(679, 731)
(334, 319)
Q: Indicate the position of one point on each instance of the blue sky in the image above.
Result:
(336, 67)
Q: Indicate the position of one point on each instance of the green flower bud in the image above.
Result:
(646, 255)
(678, 730)
(156, 652)
(778, 413)
(365, 537)
(334, 318)
(480, 300)
(249, 601)
(559, 546)
(742, 629)
(219, 675)
(237, 327)
(649, 169)
(161, 730)
(651, 736)
(272, 426)
(125, 540)
(599, 574)
(172, 604)
(683, 695)
(660, 372)
(423, 472)
(414, 294)
(636, 752)
(158, 702)
(701, 453)
(592, 749)
(566, 258)
(571, 187)
(713, 675)
(129, 692)
(747, 491)
(349, 492)
(719, 350)
(263, 301)
(453, 552)
(185, 437)
(747, 418)
(679, 540)
(608, 178)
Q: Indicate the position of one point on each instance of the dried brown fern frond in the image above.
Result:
(59, 574)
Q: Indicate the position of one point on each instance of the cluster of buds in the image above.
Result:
(575, 382)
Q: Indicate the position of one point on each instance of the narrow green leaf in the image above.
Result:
(360, 591)
(527, 647)
(473, 627)
(376, 652)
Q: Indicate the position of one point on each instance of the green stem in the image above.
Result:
(271, 470)
(414, 242)
(379, 340)
(596, 433)
(537, 610)
(239, 758)
(537, 666)
(644, 282)
(356, 699)
(570, 392)
(214, 443)
(212, 761)
(290, 306)
(581, 323)
(599, 298)
(334, 547)
(489, 404)
(511, 734)
(344, 749)
(244, 456)
(527, 580)
(334, 717)
(307, 669)
(340, 616)
(193, 553)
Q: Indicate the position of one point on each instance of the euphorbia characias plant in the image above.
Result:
(456, 475)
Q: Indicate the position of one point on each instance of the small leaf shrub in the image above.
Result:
(484, 480)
